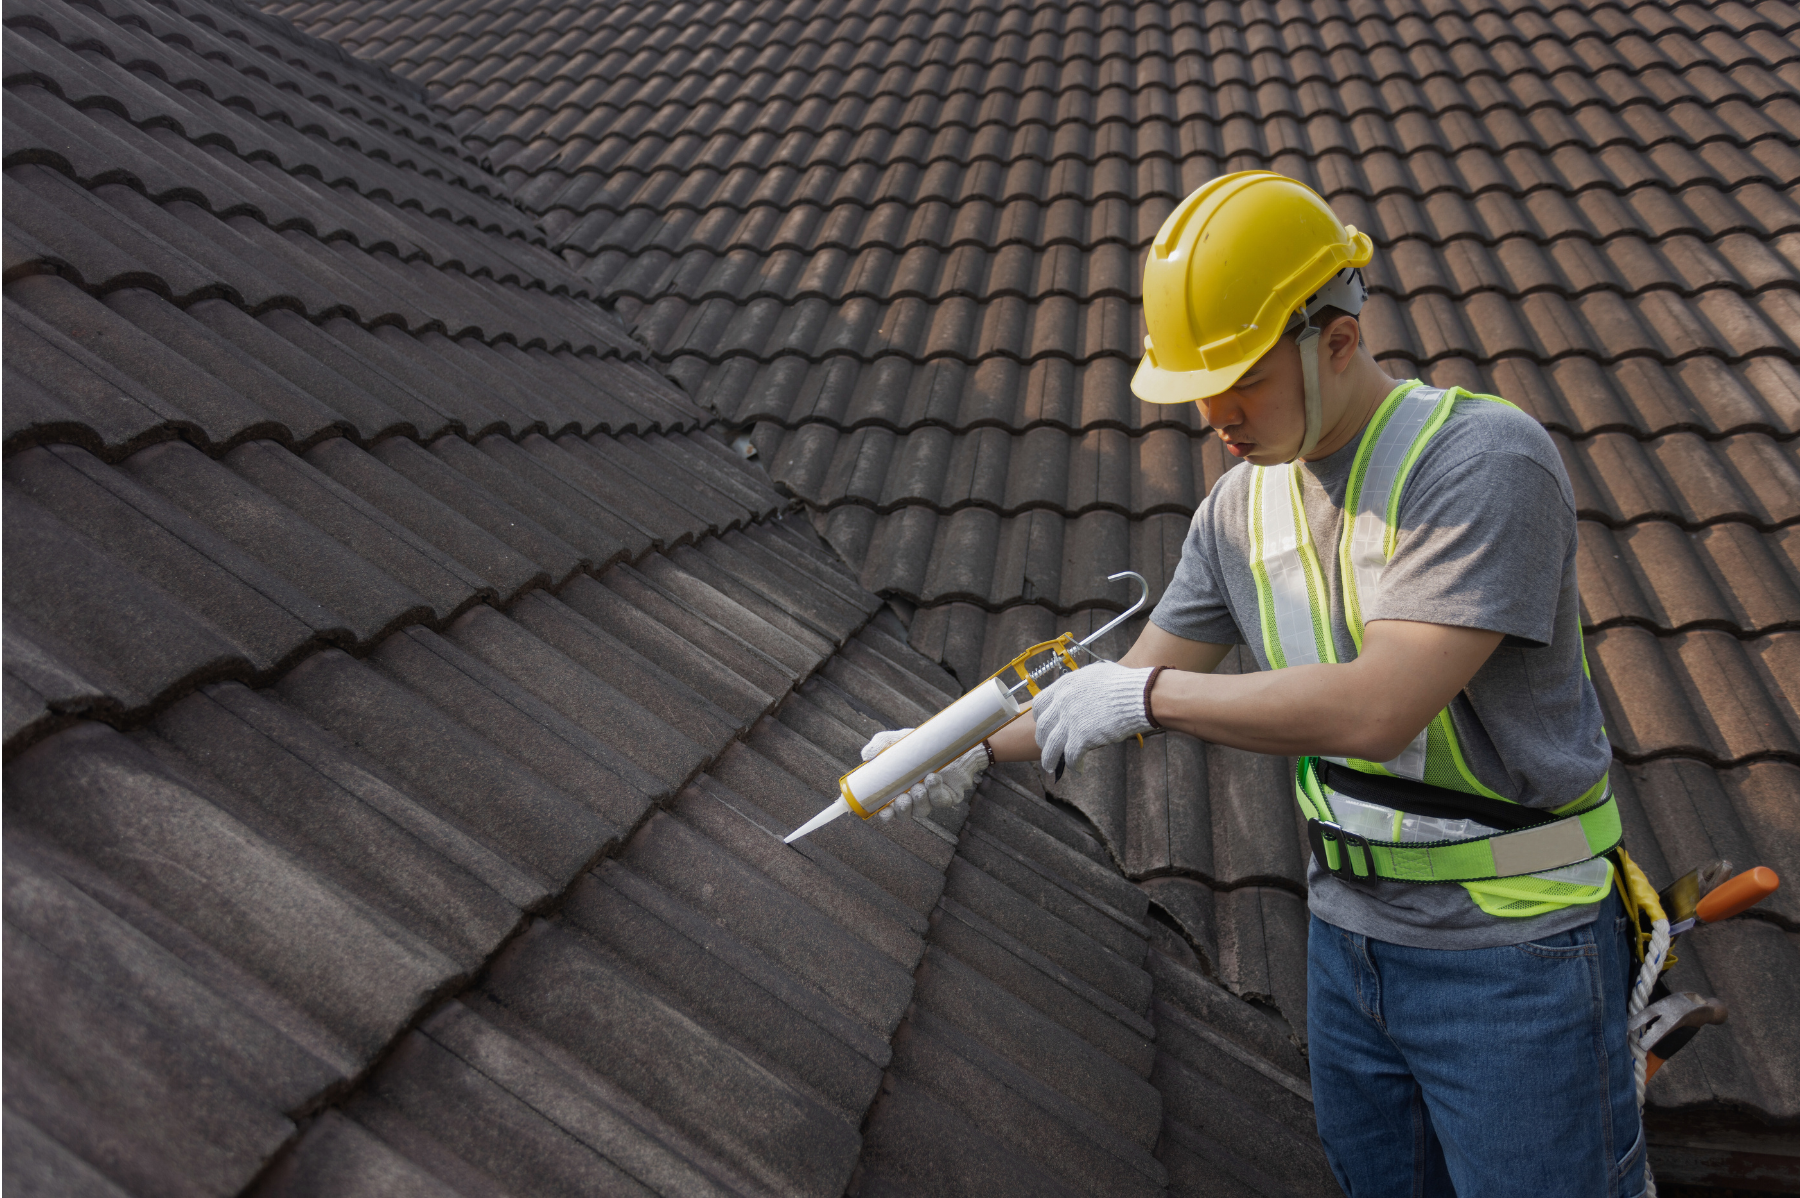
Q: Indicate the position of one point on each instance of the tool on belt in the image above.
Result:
(1665, 1021)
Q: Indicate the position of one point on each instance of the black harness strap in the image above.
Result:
(1422, 798)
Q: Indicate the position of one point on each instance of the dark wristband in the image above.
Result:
(1149, 685)
(989, 750)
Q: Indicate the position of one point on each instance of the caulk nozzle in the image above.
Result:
(818, 821)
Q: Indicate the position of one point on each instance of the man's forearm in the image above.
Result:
(1315, 709)
(1369, 708)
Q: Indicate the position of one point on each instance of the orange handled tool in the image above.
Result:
(1740, 894)
(1672, 1019)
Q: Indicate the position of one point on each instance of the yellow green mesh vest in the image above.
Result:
(1512, 873)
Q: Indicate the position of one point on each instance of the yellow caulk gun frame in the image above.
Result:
(987, 708)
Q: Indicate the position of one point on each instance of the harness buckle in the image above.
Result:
(1323, 833)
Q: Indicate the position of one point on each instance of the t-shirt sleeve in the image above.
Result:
(1482, 545)
(1194, 605)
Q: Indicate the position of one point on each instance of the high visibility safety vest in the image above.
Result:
(1524, 871)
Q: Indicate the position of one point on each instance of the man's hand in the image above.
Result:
(943, 789)
(1096, 705)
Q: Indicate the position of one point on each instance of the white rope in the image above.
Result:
(1654, 955)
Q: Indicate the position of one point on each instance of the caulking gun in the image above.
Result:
(950, 733)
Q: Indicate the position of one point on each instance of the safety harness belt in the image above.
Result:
(1552, 843)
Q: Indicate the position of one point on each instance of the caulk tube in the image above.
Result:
(931, 746)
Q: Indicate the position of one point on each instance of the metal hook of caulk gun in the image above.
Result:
(950, 733)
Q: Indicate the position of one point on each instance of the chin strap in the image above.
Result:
(1308, 341)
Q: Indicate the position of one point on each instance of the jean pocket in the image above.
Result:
(1628, 1173)
(1569, 945)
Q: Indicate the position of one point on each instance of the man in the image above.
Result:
(1401, 561)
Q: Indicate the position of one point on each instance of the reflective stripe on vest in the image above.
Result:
(1295, 610)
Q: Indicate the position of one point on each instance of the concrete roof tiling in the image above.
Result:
(406, 679)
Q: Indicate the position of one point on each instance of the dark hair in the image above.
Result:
(1321, 318)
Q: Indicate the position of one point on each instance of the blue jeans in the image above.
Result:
(1476, 1072)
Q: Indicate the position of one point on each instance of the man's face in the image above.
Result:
(1262, 418)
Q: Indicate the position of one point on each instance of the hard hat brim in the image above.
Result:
(1152, 384)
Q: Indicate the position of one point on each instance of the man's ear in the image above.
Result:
(1342, 338)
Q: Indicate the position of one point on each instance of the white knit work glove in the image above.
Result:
(1096, 705)
(945, 788)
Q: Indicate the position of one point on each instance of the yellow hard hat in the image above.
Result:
(1227, 270)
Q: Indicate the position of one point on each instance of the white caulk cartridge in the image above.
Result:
(987, 708)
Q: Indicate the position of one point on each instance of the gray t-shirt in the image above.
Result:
(1487, 540)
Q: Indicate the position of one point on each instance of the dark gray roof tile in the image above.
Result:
(467, 498)
(573, 460)
(643, 677)
(1059, 1057)
(339, 1156)
(1235, 1119)
(184, 1123)
(1027, 974)
(221, 413)
(739, 992)
(1019, 1111)
(591, 1011)
(486, 1112)
(1104, 923)
(707, 627)
(1114, 975)
(363, 596)
(668, 752)
(916, 1143)
(359, 974)
(335, 346)
(1259, 1030)
(700, 470)
(63, 390)
(499, 566)
(819, 598)
(753, 595)
(867, 985)
(733, 609)
(299, 790)
(682, 505)
(1042, 835)
(267, 617)
(419, 720)
(47, 681)
(128, 632)
(510, 477)
(147, 987)
(408, 558)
